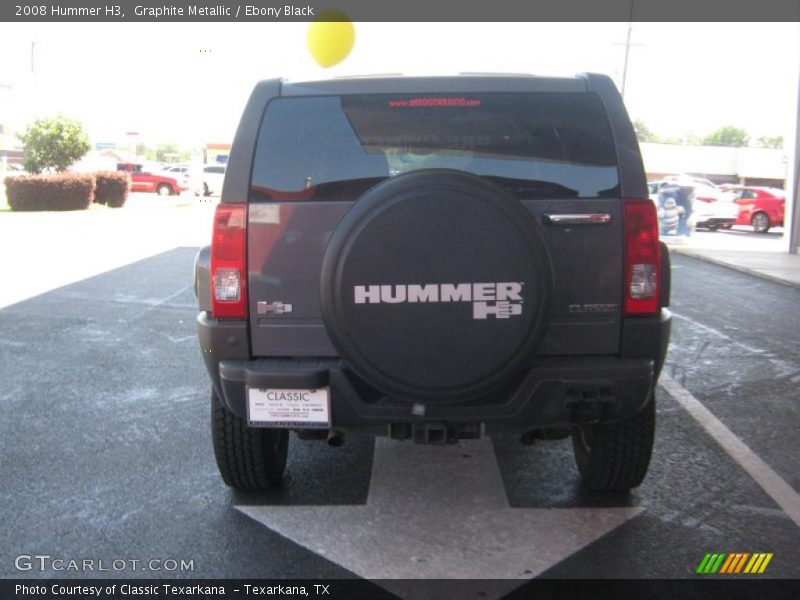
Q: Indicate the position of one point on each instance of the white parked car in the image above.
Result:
(181, 173)
(715, 213)
(711, 208)
(209, 181)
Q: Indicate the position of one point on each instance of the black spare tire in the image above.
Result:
(436, 286)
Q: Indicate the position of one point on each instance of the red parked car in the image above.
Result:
(761, 207)
(144, 181)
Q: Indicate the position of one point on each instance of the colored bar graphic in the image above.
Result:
(765, 563)
(757, 566)
(736, 556)
(710, 564)
(741, 562)
(701, 568)
(727, 564)
(734, 563)
(718, 563)
(751, 564)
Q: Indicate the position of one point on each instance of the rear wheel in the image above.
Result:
(249, 459)
(163, 189)
(206, 191)
(615, 457)
(760, 222)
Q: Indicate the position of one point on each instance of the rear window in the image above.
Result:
(536, 145)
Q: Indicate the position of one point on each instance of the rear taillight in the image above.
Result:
(229, 262)
(642, 258)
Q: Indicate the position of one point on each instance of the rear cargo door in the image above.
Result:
(551, 151)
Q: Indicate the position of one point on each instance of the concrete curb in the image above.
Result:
(689, 252)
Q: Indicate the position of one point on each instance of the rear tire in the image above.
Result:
(760, 222)
(249, 459)
(615, 457)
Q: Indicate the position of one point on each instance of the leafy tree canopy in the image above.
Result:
(771, 142)
(727, 136)
(53, 143)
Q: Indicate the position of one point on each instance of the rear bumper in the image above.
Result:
(715, 220)
(555, 392)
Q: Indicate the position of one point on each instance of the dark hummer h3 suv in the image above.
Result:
(434, 259)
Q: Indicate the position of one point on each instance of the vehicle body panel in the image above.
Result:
(181, 173)
(286, 243)
(752, 199)
(287, 240)
(209, 180)
(144, 181)
(708, 205)
(589, 346)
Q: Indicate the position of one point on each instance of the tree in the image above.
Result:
(692, 139)
(771, 142)
(167, 153)
(53, 143)
(727, 136)
(643, 133)
(672, 139)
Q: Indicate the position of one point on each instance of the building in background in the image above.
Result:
(720, 164)
(10, 148)
(216, 154)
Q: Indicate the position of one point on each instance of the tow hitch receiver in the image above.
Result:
(435, 433)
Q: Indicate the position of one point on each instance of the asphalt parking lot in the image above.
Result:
(105, 448)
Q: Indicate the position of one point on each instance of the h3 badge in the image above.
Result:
(273, 308)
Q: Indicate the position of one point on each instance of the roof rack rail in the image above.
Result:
(368, 75)
(494, 74)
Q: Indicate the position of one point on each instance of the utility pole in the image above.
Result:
(627, 51)
(792, 227)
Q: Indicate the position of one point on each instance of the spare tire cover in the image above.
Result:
(436, 286)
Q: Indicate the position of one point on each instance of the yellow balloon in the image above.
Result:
(331, 38)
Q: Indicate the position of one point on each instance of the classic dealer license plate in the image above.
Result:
(307, 409)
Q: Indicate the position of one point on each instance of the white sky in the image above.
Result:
(154, 79)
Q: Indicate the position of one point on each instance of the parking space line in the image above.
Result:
(716, 332)
(172, 296)
(773, 484)
(786, 369)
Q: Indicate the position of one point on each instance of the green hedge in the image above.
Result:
(112, 188)
(64, 191)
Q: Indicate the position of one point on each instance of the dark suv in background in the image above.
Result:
(434, 259)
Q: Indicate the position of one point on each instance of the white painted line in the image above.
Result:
(785, 368)
(441, 512)
(718, 333)
(773, 484)
(172, 296)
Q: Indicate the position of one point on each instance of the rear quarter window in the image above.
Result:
(536, 145)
